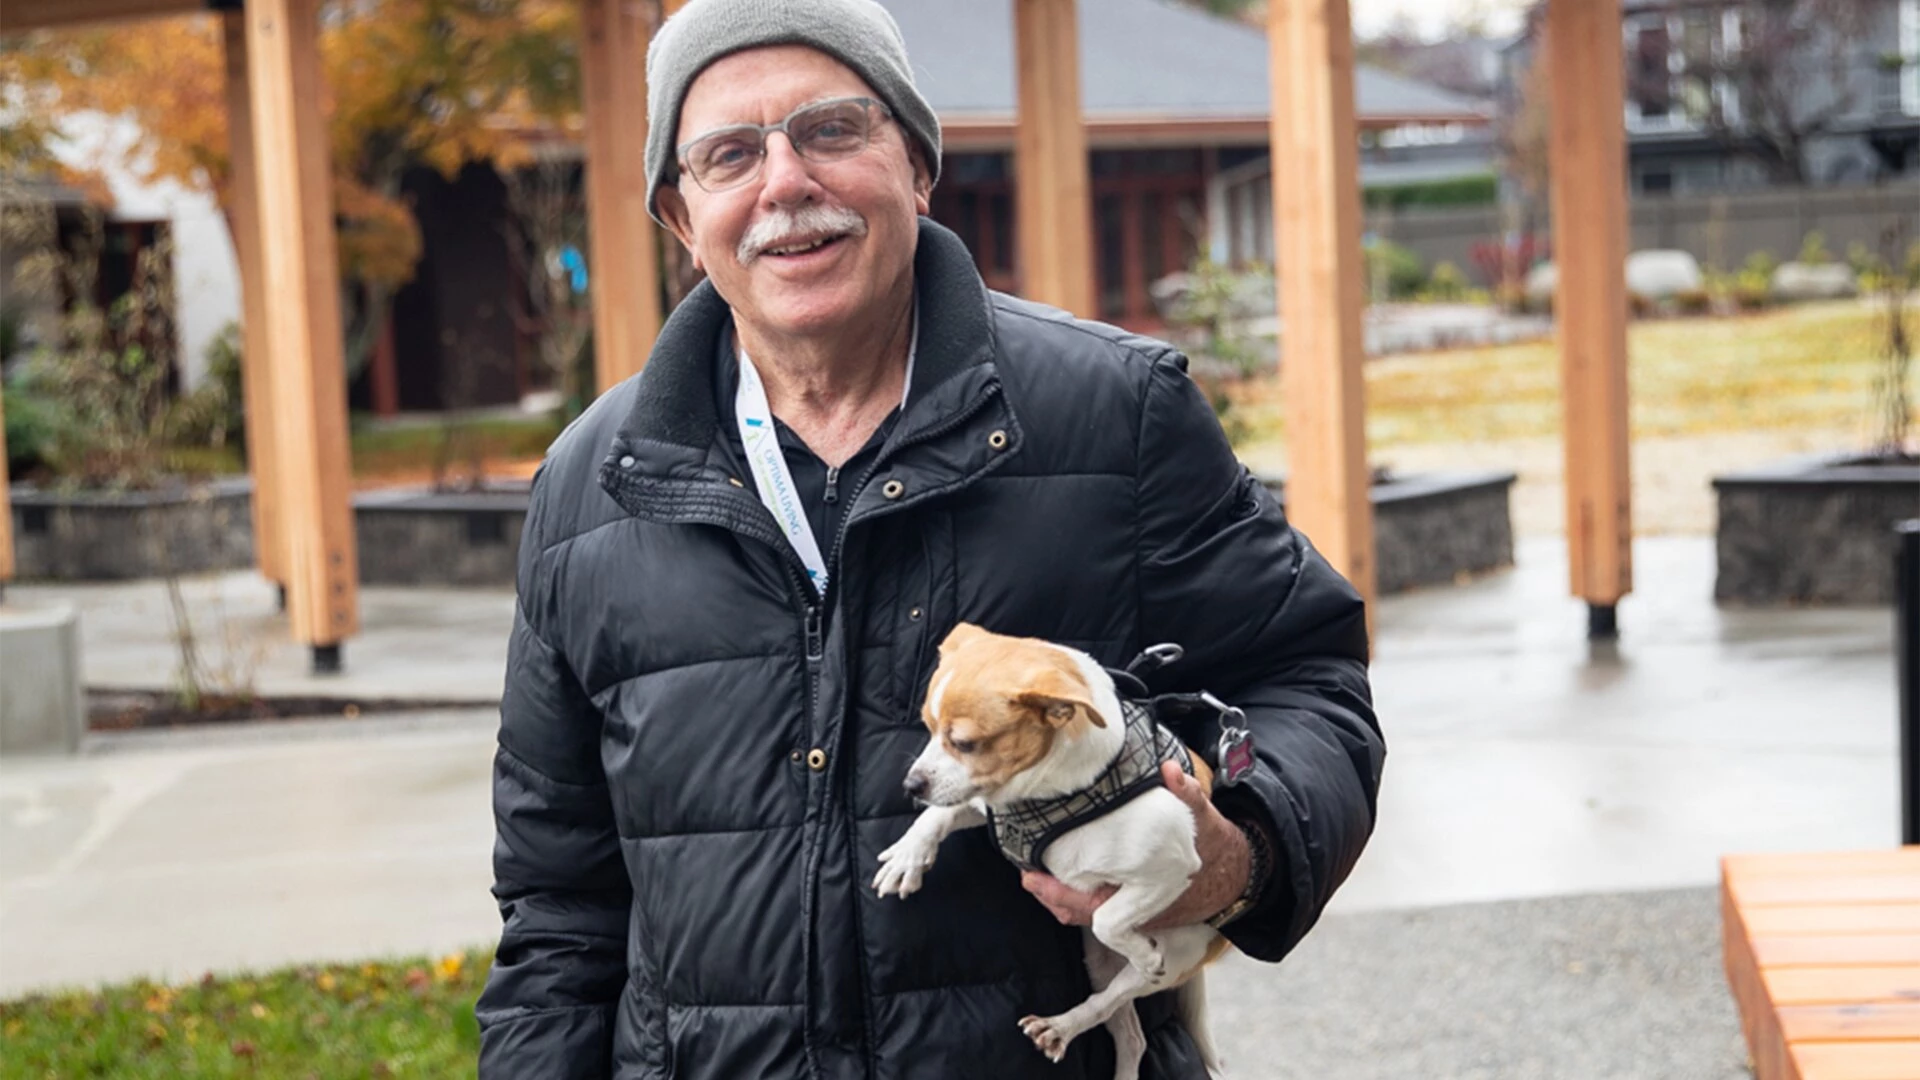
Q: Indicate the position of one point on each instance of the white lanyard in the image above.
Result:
(771, 476)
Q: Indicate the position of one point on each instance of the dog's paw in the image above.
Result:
(1046, 1038)
(901, 868)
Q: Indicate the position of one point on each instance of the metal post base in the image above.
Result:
(326, 659)
(1906, 651)
(282, 601)
(1602, 624)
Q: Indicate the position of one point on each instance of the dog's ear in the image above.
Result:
(1060, 697)
(960, 635)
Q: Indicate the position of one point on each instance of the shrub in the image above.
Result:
(1693, 301)
(1458, 191)
(214, 414)
(1813, 249)
(1392, 271)
(1446, 284)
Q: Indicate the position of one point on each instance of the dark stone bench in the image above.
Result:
(1815, 530)
(107, 536)
(1432, 528)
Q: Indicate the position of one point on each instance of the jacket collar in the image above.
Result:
(674, 406)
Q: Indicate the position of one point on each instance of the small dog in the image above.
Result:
(1020, 724)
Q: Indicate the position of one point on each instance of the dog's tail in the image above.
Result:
(1190, 1003)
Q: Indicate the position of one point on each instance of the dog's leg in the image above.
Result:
(1129, 1041)
(1185, 950)
(1116, 923)
(1052, 1033)
(902, 864)
(1112, 1006)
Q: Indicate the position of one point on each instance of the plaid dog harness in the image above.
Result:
(1026, 828)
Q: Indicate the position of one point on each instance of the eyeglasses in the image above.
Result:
(823, 131)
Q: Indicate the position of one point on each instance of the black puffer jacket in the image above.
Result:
(698, 763)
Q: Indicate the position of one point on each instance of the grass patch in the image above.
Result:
(1803, 368)
(411, 1018)
(379, 450)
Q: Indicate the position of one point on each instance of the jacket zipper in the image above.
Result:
(956, 420)
(833, 480)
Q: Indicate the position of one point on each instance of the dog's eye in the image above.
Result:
(963, 746)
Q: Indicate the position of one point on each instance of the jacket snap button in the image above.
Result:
(795, 757)
(914, 614)
(893, 489)
(997, 440)
(816, 759)
(627, 462)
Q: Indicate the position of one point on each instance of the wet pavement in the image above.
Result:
(1550, 822)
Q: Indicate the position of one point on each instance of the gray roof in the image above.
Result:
(1136, 57)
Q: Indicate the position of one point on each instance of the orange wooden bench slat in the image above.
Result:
(1890, 1060)
(1849, 889)
(1834, 950)
(1890, 918)
(1824, 863)
(1841, 985)
(1850, 1023)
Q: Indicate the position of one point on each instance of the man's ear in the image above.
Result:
(1059, 697)
(673, 210)
(922, 179)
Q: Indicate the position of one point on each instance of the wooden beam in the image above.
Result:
(6, 507)
(1587, 153)
(300, 269)
(17, 16)
(625, 263)
(1052, 206)
(1316, 220)
(243, 219)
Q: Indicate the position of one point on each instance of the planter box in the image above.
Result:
(424, 537)
(106, 536)
(1812, 531)
(1432, 528)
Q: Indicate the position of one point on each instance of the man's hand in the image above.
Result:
(1224, 866)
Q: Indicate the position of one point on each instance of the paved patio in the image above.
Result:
(1536, 901)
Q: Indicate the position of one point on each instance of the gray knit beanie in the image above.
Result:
(858, 33)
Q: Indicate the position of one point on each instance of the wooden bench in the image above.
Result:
(1823, 955)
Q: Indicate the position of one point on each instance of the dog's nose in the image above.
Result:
(916, 785)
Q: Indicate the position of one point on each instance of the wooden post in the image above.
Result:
(243, 217)
(624, 264)
(1587, 152)
(1051, 202)
(6, 509)
(1316, 218)
(299, 266)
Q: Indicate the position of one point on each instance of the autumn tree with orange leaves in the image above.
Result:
(410, 83)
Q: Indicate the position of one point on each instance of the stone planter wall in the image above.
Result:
(1431, 528)
(105, 536)
(1812, 531)
(421, 537)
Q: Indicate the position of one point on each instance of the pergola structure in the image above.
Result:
(294, 378)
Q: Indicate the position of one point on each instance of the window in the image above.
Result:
(1650, 80)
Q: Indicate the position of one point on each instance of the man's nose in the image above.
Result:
(783, 172)
(917, 785)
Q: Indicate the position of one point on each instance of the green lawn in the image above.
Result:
(1808, 367)
(406, 1018)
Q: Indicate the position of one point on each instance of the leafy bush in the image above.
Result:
(1458, 191)
(1392, 271)
(1813, 249)
(214, 414)
(1446, 284)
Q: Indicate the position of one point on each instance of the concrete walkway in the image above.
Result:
(1562, 792)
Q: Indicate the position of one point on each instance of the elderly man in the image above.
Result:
(738, 564)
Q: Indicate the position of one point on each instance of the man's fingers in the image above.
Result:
(1182, 785)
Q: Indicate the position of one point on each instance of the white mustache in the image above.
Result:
(782, 226)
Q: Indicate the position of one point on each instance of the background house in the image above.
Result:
(1176, 107)
(1729, 95)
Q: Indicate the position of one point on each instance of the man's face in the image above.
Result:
(868, 202)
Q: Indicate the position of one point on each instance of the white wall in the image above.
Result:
(206, 276)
